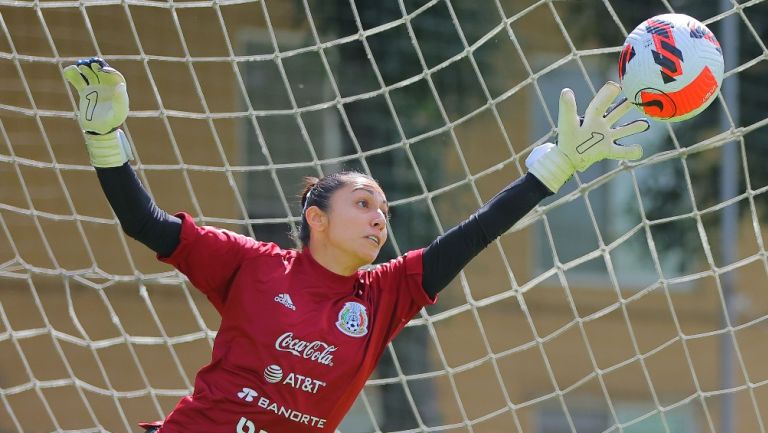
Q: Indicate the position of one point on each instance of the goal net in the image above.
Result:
(635, 300)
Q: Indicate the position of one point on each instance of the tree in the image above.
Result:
(396, 57)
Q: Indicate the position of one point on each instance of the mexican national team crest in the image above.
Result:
(353, 320)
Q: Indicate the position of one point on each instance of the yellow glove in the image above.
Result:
(581, 143)
(103, 108)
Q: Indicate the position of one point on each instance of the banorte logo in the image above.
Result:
(316, 351)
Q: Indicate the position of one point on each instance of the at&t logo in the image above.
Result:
(274, 374)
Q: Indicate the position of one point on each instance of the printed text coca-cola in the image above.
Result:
(317, 351)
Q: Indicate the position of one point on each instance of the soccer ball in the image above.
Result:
(671, 67)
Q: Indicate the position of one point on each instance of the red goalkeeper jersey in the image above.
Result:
(297, 342)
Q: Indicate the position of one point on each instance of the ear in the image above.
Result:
(317, 219)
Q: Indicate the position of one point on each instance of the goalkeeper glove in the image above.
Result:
(103, 108)
(581, 143)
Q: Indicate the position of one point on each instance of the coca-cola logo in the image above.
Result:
(317, 351)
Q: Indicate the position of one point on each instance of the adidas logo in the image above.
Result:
(285, 299)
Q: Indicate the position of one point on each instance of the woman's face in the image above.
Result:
(357, 220)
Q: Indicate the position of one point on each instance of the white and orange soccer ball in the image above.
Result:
(671, 67)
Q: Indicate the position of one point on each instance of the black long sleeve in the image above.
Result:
(447, 255)
(443, 259)
(139, 216)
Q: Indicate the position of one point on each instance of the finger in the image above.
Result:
(617, 111)
(90, 61)
(120, 101)
(631, 128)
(604, 98)
(567, 118)
(90, 76)
(72, 74)
(631, 152)
(107, 74)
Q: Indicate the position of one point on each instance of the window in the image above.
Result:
(289, 139)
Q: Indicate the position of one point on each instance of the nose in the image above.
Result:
(379, 221)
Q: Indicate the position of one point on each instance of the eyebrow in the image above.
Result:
(370, 191)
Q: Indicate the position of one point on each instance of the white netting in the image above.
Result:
(633, 301)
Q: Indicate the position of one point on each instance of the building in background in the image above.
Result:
(218, 133)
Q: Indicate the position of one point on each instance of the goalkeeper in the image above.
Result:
(302, 330)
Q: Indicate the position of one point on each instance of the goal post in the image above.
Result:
(614, 306)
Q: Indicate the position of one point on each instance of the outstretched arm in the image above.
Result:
(581, 143)
(139, 216)
(103, 108)
(447, 255)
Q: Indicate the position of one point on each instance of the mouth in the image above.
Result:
(374, 239)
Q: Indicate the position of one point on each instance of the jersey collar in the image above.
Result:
(325, 275)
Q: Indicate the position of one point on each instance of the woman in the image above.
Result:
(302, 330)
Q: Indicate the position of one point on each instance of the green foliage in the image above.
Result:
(401, 51)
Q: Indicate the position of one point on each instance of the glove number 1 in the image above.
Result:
(93, 99)
(596, 138)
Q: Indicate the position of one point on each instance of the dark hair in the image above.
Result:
(318, 192)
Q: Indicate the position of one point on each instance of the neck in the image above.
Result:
(333, 260)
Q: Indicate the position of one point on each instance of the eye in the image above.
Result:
(363, 203)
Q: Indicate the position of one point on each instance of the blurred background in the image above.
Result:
(633, 301)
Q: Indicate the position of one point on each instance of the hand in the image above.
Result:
(581, 143)
(103, 108)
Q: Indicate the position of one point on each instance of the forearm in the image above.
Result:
(447, 255)
(139, 216)
(104, 108)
